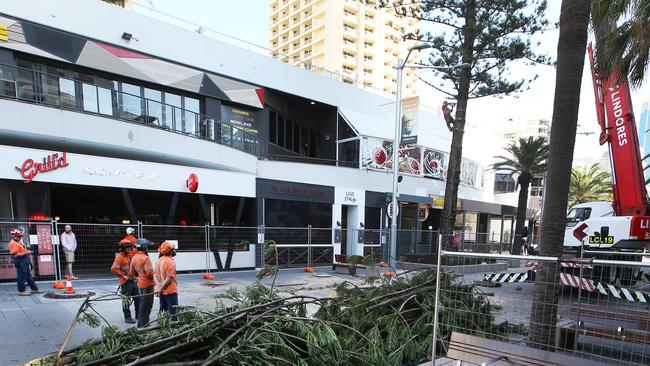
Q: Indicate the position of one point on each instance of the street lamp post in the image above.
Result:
(401, 64)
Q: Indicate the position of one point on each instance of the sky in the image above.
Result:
(248, 20)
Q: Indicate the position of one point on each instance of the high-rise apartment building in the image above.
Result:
(516, 129)
(357, 42)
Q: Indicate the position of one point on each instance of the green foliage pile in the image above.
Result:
(389, 323)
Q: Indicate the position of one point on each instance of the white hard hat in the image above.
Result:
(129, 231)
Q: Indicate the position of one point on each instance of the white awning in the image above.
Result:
(432, 130)
(369, 125)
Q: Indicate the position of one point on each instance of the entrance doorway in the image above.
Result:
(349, 234)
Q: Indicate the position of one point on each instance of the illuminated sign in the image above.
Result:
(31, 168)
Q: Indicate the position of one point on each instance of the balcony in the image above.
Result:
(349, 46)
(349, 60)
(31, 86)
(350, 32)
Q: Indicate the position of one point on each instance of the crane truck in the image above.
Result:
(624, 224)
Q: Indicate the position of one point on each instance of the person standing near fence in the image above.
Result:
(20, 257)
(122, 268)
(165, 274)
(69, 243)
(142, 269)
(129, 235)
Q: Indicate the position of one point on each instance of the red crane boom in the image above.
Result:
(618, 129)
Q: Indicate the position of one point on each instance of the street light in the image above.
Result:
(401, 64)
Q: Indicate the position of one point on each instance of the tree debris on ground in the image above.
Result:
(387, 322)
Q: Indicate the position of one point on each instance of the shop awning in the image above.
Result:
(370, 125)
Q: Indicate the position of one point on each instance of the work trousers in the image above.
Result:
(168, 303)
(129, 288)
(23, 275)
(146, 303)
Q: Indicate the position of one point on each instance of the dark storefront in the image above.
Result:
(90, 204)
(289, 204)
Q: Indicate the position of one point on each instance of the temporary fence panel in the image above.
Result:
(591, 308)
(40, 238)
(375, 243)
(97, 245)
(190, 242)
(321, 250)
(300, 247)
(232, 247)
(291, 245)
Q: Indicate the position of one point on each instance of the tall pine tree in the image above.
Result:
(489, 36)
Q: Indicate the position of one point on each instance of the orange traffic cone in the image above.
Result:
(58, 285)
(68, 285)
(309, 269)
(208, 276)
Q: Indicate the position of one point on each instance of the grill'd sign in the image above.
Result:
(30, 168)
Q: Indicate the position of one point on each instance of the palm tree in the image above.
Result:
(571, 48)
(626, 47)
(527, 159)
(590, 185)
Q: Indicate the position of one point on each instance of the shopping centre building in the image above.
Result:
(109, 116)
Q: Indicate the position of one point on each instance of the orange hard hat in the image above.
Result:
(126, 243)
(166, 248)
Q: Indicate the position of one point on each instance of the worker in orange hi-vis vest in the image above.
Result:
(165, 275)
(122, 269)
(142, 269)
(20, 256)
(129, 235)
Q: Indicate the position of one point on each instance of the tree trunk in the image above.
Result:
(448, 216)
(574, 21)
(522, 207)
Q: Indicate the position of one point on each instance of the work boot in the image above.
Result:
(37, 291)
(23, 293)
(129, 320)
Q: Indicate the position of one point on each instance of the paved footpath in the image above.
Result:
(33, 326)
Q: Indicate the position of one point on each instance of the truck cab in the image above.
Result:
(595, 225)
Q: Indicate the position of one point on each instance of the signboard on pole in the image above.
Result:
(410, 120)
(389, 210)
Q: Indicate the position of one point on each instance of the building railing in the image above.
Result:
(33, 86)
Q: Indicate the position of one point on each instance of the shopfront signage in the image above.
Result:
(423, 213)
(295, 191)
(192, 183)
(30, 168)
(349, 197)
(410, 108)
(439, 202)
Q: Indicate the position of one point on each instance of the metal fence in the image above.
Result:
(594, 309)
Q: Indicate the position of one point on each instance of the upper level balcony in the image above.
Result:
(32, 86)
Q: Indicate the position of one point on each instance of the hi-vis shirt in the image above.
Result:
(121, 267)
(141, 266)
(166, 268)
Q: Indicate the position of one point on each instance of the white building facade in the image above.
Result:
(113, 117)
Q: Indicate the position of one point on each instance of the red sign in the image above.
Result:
(44, 233)
(579, 232)
(30, 168)
(192, 183)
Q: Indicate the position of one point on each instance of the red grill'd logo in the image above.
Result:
(31, 168)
